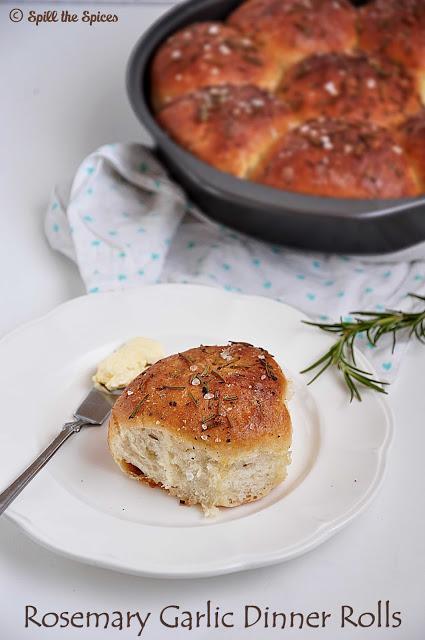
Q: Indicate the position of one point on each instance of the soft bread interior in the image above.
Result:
(198, 474)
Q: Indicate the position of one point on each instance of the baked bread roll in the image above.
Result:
(353, 87)
(293, 29)
(230, 127)
(207, 54)
(396, 28)
(209, 425)
(412, 139)
(337, 158)
(358, 72)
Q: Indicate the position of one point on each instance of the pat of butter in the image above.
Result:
(126, 363)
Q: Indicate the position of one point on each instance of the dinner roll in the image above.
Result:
(208, 425)
(208, 53)
(396, 28)
(230, 127)
(293, 29)
(353, 87)
(330, 157)
(412, 139)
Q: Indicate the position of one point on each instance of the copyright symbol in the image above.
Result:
(16, 15)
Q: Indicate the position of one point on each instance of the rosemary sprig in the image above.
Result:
(374, 325)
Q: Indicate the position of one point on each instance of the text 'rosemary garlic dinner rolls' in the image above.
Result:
(208, 53)
(336, 158)
(412, 139)
(353, 87)
(396, 28)
(209, 425)
(293, 29)
(229, 127)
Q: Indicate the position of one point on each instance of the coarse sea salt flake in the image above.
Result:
(257, 102)
(331, 88)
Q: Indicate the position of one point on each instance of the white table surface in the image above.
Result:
(63, 95)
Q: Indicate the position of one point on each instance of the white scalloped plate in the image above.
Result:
(82, 506)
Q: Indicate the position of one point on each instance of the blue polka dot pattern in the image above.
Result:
(123, 223)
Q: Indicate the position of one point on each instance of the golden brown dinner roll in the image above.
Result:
(208, 53)
(336, 158)
(209, 425)
(396, 28)
(229, 127)
(353, 87)
(293, 29)
(412, 139)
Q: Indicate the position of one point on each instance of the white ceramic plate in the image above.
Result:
(82, 506)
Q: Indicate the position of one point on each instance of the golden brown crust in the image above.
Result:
(238, 402)
(395, 28)
(208, 54)
(353, 87)
(229, 127)
(292, 29)
(412, 139)
(308, 52)
(335, 158)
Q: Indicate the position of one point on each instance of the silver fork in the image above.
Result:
(92, 412)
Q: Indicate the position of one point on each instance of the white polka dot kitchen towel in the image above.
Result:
(125, 223)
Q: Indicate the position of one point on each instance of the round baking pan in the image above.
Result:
(324, 224)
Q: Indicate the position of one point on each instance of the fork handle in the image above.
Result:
(14, 489)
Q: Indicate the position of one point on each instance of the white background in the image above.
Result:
(63, 95)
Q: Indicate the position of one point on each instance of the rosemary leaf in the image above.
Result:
(373, 324)
(137, 407)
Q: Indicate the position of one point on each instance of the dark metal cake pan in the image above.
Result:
(322, 224)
